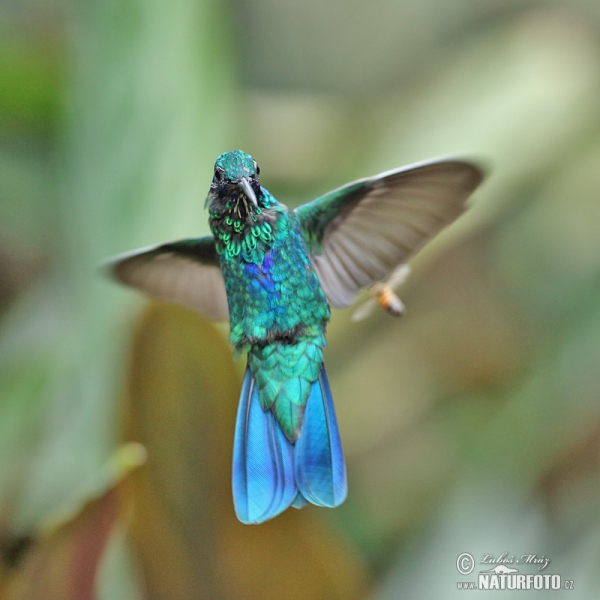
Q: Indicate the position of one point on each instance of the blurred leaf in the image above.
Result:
(183, 392)
(61, 560)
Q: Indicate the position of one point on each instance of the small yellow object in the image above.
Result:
(382, 293)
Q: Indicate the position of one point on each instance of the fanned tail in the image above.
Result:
(270, 473)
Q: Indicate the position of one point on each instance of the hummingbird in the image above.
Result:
(274, 273)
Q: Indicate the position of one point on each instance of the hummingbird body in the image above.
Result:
(273, 272)
(277, 309)
(278, 313)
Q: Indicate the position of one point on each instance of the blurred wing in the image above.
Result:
(364, 310)
(360, 232)
(186, 272)
(398, 276)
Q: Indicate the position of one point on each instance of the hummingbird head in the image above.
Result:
(235, 180)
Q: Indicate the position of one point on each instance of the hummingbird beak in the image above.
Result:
(245, 185)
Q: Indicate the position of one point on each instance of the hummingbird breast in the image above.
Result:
(272, 290)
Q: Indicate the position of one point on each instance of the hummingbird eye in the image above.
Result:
(219, 174)
(256, 168)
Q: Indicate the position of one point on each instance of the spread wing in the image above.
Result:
(358, 233)
(186, 272)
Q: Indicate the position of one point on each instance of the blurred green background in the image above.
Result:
(471, 425)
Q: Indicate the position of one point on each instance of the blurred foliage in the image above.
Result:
(472, 425)
(61, 560)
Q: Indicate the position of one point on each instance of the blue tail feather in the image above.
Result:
(300, 501)
(320, 469)
(263, 462)
(270, 474)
